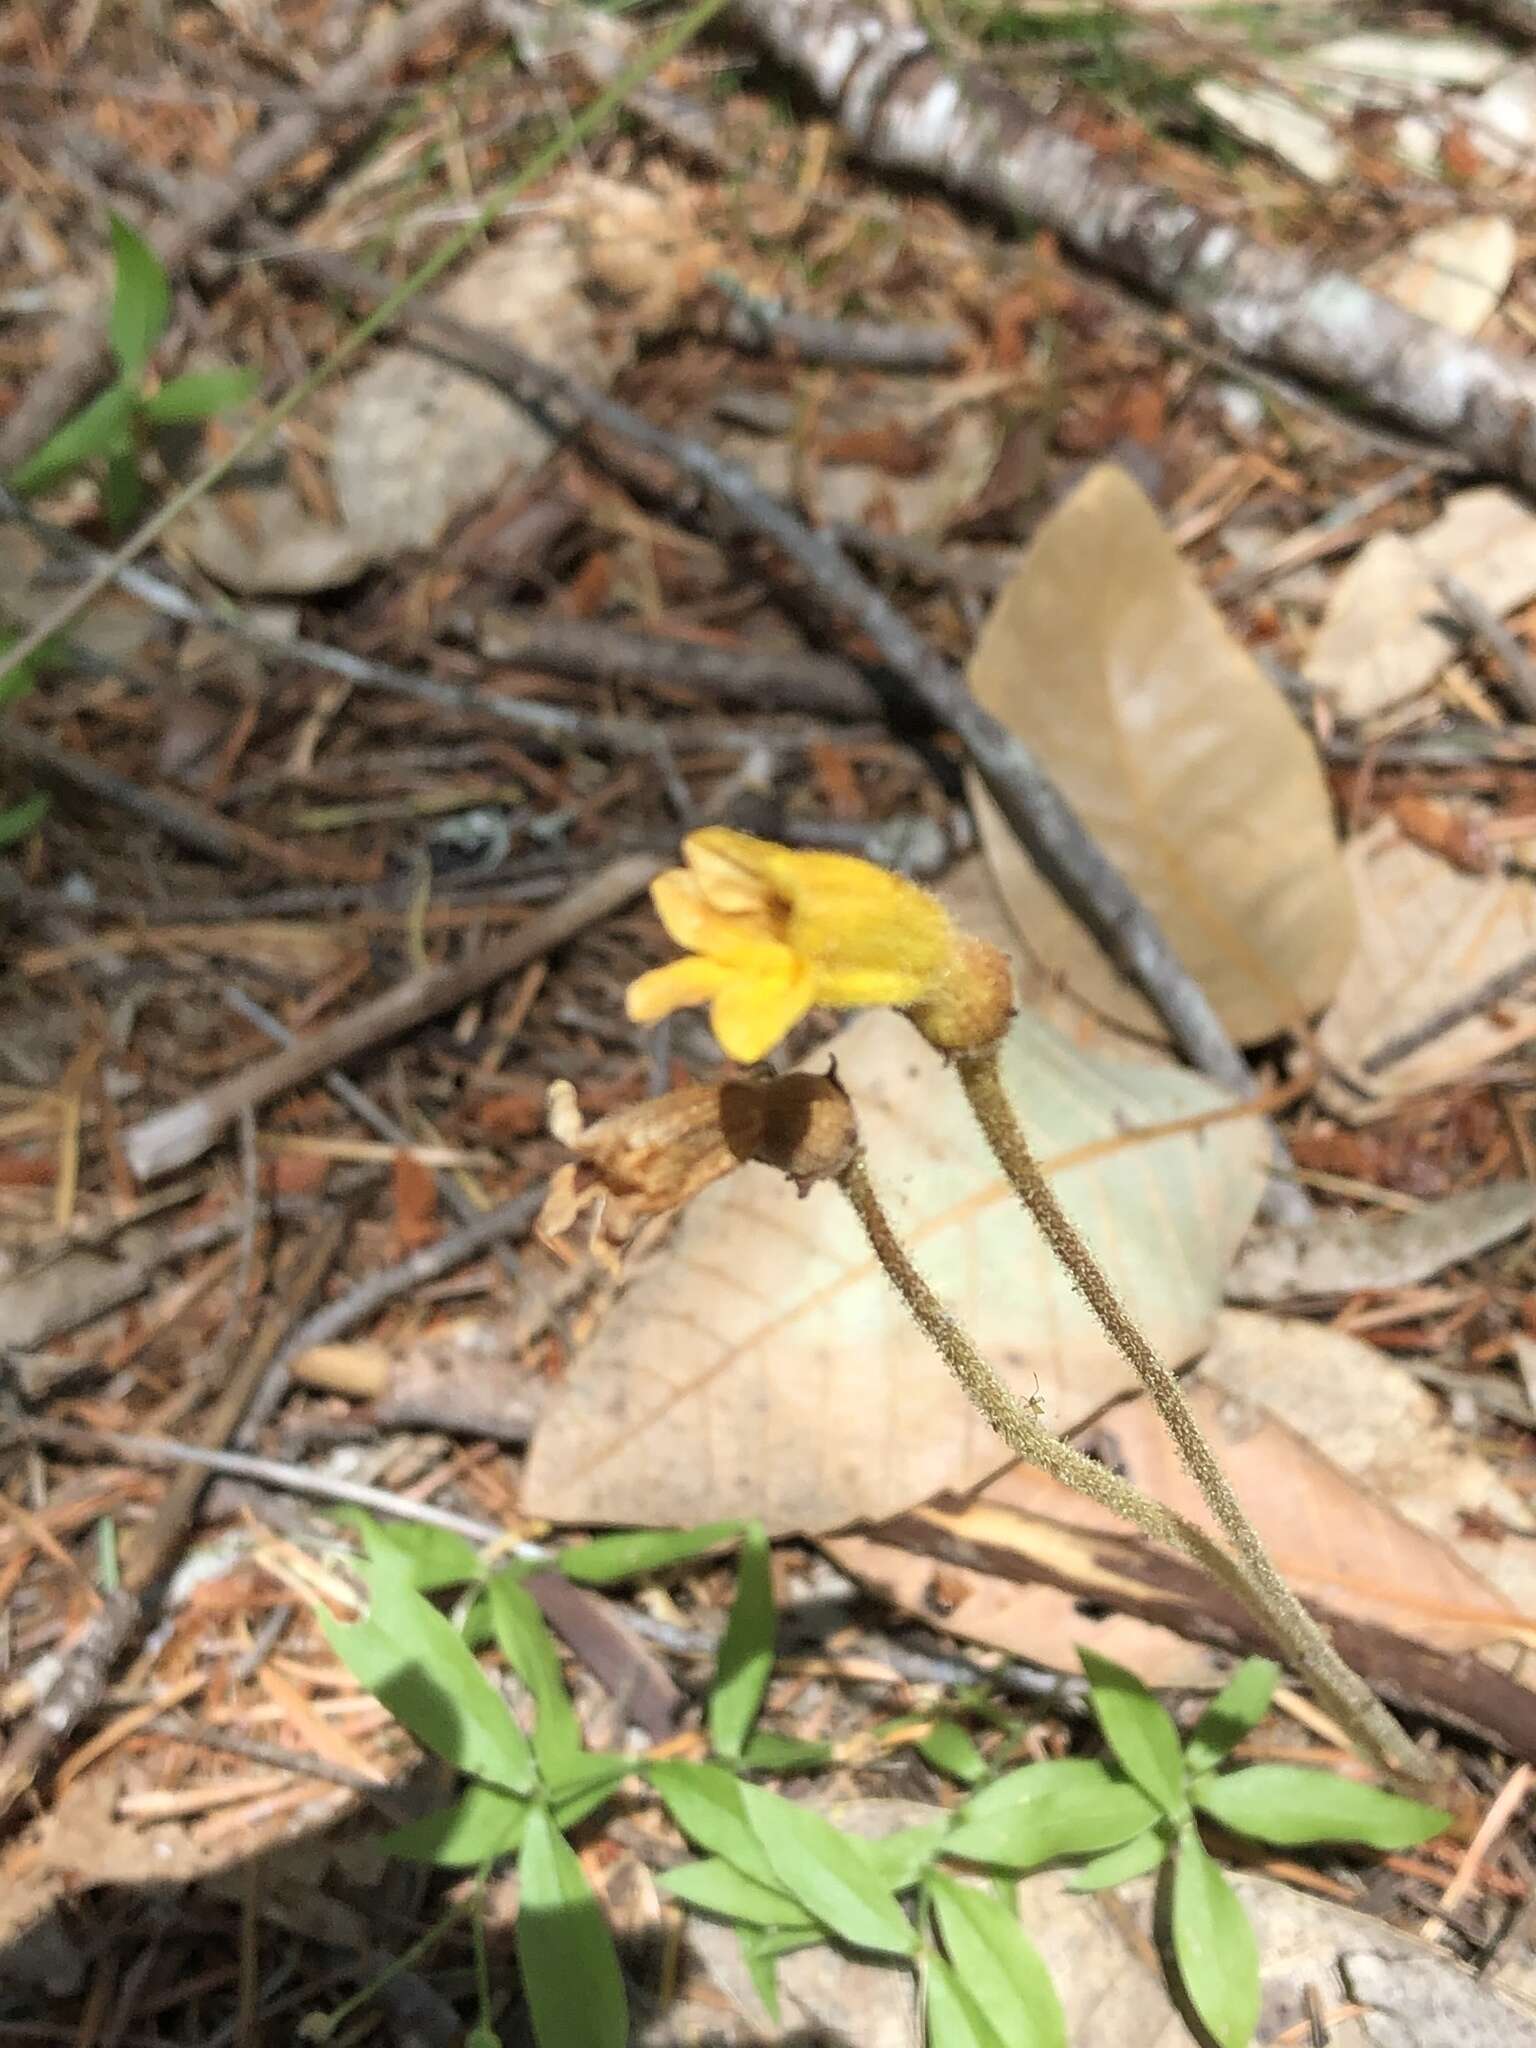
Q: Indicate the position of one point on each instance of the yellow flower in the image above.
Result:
(771, 932)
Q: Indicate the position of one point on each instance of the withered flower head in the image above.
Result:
(655, 1156)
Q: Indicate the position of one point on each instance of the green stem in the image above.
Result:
(1265, 1593)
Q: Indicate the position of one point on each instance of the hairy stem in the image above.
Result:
(1264, 1592)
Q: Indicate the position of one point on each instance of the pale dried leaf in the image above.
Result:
(761, 1365)
(1339, 1252)
(1454, 274)
(1378, 1987)
(1180, 757)
(1278, 120)
(416, 442)
(263, 542)
(1502, 119)
(1386, 634)
(1429, 935)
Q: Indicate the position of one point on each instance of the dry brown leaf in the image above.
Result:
(761, 1365)
(1454, 274)
(1374, 1422)
(1428, 935)
(1045, 1624)
(1369, 1501)
(1181, 759)
(1382, 639)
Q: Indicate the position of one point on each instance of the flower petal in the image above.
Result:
(733, 871)
(754, 1011)
(676, 986)
(747, 943)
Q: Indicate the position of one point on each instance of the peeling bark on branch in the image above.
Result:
(906, 110)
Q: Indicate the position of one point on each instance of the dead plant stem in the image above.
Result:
(1256, 1579)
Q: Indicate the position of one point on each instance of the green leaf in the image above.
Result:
(766, 1751)
(482, 2037)
(122, 490)
(1072, 1808)
(528, 1646)
(198, 395)
(418, 1664)
(632, 1551)
(1214, 1946)
(141, 300)
(949, 1749)
(578, 1783)
(760, 1954)
(21, 818)
(953, 2018)
(900, 1859)
(998, 1964)
(1288, 1803)
(706, 1803)
(1118, 1866)
(482, 1824)
(1239, 1707)
(746, 1649)
(715, 1886)
(570, 1972)
(830, 1873)
(103, 425)
(1139, 1731)
(430, 1558)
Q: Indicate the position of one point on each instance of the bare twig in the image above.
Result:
(201, 1460)
(337, 1318)
(88, 1666)
(1507, 982)
(199, 831)
(1483, 621)
(157, 1544)
(367, 1112)
(764, 679)
(829, 688)
(907, 110)
(81, 356)
(1028, 798)
(174, 1136)
(768, 327)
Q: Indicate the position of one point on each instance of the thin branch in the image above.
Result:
(1033, 805)
(368, 1113)
(172, 1137)
(270, 1472)
(907, 110)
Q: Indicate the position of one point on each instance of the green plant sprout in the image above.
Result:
(115, 427)
(28, 812)
(937, 1897)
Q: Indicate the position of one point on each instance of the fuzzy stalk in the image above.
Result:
(1264, 1592)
